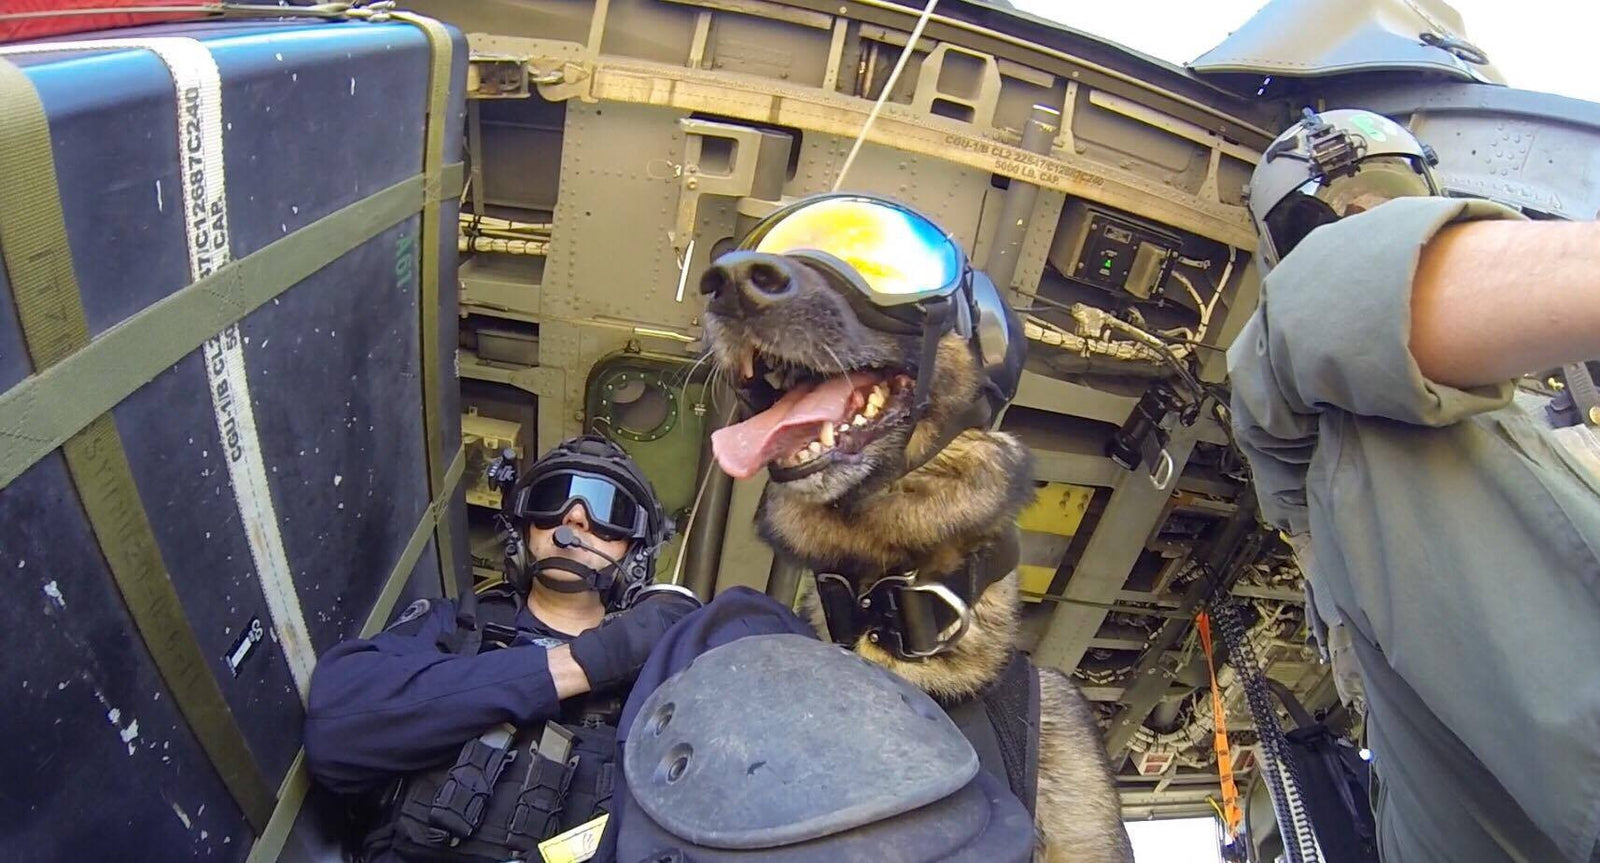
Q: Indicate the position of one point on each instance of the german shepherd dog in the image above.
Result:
(834, 428)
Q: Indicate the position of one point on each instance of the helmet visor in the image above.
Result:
(613, 512)
(1380, 179)
(896, 255)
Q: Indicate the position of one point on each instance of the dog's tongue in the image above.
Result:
(744, 448)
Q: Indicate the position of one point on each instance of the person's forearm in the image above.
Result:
(1496, 299)
(568, 675)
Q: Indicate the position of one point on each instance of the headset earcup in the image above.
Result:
(516, 568)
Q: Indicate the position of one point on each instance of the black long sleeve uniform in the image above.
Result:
(398, 702)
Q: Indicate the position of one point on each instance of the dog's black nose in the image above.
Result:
(752, 279)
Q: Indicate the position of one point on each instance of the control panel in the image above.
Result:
(1112, 251)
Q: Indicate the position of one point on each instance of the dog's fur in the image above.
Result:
(861, 515)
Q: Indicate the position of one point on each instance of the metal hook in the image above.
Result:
(1162, 475)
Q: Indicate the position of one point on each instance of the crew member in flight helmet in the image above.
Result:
(1451, 541)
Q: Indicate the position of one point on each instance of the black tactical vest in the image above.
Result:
(508, 789)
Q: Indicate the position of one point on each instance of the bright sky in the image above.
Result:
(1537, 44)
(1187, 840)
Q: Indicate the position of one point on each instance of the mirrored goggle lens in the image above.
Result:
(900, 256)
(613, 513)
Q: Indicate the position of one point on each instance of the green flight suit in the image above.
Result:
(1450, 534)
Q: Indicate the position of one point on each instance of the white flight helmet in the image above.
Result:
(1328, 166)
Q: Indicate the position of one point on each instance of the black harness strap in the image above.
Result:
(902, 611)
(493, 615)
(1012, 704)
(1002, 723)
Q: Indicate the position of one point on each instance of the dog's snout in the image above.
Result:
(752, 280)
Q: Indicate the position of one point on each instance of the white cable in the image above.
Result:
(1199, 304)
(1222, 285)
(888, 87)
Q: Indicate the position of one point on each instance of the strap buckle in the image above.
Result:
(898, 613)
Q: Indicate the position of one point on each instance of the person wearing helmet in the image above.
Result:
(476, 730)
(1449, 539)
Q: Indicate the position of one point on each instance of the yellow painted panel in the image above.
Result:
(1034, 579)
(1058, 509)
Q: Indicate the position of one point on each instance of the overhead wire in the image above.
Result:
(888, 87)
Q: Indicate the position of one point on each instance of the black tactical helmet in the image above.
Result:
(618, 498)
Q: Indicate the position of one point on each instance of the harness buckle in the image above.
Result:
(897, 613)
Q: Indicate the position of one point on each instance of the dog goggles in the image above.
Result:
(613, 513)
(888, 253)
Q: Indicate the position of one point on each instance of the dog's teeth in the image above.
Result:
(815, 448)
(871, 410)
(843, 427)
(859, 421)
(827, 438)
(775, 380)
(876, 398)
(747, 362)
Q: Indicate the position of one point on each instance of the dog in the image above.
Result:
(834, 426)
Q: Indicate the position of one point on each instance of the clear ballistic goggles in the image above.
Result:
(1380, 179)
(613, 512)
(889, 254)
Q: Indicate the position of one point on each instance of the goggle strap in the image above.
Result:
(938, 323)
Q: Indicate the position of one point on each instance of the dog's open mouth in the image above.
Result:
(804, 421)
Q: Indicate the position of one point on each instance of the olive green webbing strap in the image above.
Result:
(38, 260)
(292, 793)
(442, 480)
(44, 410)
(428, 279)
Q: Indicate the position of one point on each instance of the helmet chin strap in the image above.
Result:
(592, 579)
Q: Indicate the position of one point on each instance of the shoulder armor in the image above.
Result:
(776, 739)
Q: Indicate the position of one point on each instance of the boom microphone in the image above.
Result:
(566, 537)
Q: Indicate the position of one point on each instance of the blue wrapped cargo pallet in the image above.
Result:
(229, 427)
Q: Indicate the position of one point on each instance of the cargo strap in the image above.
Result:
(291, 795)
(1230, 812)
(39, 264)
(41, 412)
(432, 166)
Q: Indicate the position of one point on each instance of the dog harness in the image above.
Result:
(913, 614)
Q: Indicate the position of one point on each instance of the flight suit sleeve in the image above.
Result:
(397, 702)
(1333, 333)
